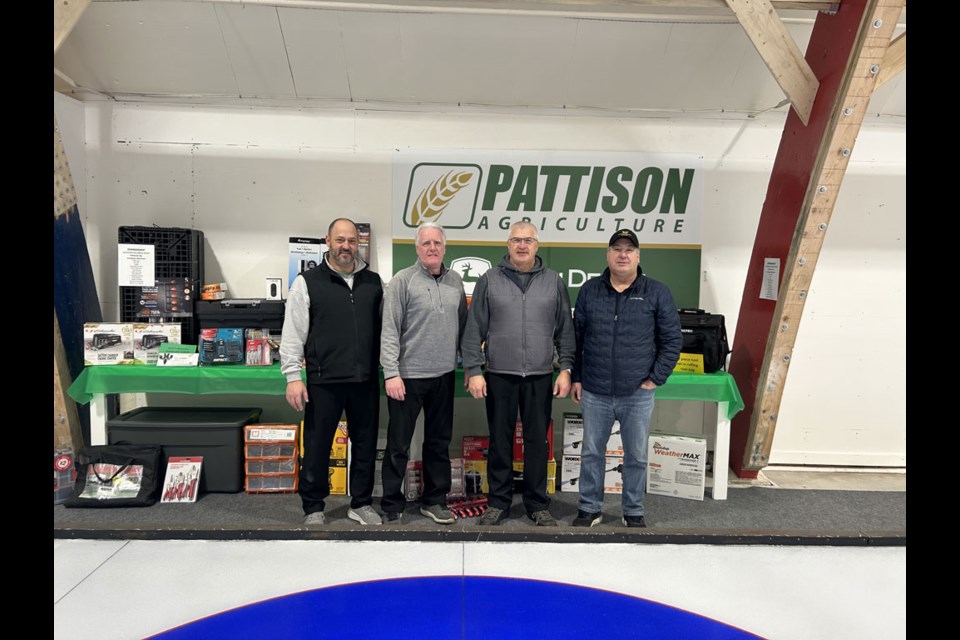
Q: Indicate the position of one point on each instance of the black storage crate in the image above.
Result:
(214, 433)
(179, 254)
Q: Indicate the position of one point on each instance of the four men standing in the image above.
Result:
(623, 343)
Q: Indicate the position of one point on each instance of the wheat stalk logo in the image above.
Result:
(437, 195)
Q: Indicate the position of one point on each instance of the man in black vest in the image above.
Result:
(520, 312)
(332, 321)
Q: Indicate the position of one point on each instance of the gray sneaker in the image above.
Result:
(364, 515)
(316, 517)
(492, 516)
(542, 518)
(438, 513)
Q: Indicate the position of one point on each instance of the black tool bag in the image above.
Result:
(705, 333)
(116, 475)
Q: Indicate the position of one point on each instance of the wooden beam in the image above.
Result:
(66, 420)
(66, 13)
(808, 170)
(894, 60)
(779, 52)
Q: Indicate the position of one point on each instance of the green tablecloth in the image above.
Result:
(239, 379)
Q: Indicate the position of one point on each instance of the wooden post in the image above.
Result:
(66, 422)
(845, 51)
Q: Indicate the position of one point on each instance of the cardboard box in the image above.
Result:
(338, 450)
(108, 343)
(475, 448)
(475, 477)
(612, 479)
(378, 473)
(570, 474)
(551, 476)
(147, 339)
(338, 477)
(518, 440)
(573, 436)
(413, 481)
(340, 445)
(457, 479)
(676, 466)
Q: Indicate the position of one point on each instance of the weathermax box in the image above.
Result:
(676, 466)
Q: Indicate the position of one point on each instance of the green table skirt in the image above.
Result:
(240, 379)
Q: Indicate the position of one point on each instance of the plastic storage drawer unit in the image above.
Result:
(214, 433)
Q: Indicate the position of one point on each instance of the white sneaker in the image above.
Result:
(316, 517)
(365, 515)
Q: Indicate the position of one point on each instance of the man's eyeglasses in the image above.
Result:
(519, 241)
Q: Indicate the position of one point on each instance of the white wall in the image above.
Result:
(250, 177)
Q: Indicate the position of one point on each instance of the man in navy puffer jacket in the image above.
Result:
(628, 342)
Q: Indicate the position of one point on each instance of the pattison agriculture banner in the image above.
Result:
(576, 201)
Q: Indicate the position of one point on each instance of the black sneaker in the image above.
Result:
(633, 521)
(586, 519)
(393, 517)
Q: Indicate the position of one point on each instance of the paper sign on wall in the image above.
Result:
(769, 290)
(135, 265)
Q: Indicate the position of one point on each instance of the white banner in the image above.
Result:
(571, 197)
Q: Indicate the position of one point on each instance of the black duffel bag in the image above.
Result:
(705, 333)
(116, 475)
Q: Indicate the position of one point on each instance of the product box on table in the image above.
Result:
(147, 338)
(108, 343)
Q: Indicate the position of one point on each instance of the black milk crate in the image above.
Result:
(179, 254)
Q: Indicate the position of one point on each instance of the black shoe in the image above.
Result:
(493, 517)
(542, 518)
(393, 517)
(586, 519)
(633, 521)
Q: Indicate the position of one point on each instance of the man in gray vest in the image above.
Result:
(520, 312)
(424, 311)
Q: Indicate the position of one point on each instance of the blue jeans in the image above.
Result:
(599, 412)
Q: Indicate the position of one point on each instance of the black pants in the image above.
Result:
(361, 400)
(533, 396)
(435, 397)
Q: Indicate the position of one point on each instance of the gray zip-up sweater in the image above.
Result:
(515, 357)
(423, 321)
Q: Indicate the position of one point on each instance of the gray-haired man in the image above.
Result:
(424, 314)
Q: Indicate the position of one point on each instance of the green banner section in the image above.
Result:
(678, 268)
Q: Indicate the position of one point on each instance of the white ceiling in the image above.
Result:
(301, 52)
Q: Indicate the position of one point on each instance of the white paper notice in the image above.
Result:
(771, 279)
(135, 265)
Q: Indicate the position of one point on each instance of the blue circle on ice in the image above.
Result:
(470, 607)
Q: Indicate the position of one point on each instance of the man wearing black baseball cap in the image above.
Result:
(628, 341)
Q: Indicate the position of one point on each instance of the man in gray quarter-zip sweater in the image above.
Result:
(519, 313)
(424, 313)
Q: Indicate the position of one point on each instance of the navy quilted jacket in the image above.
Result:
(625, 338)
